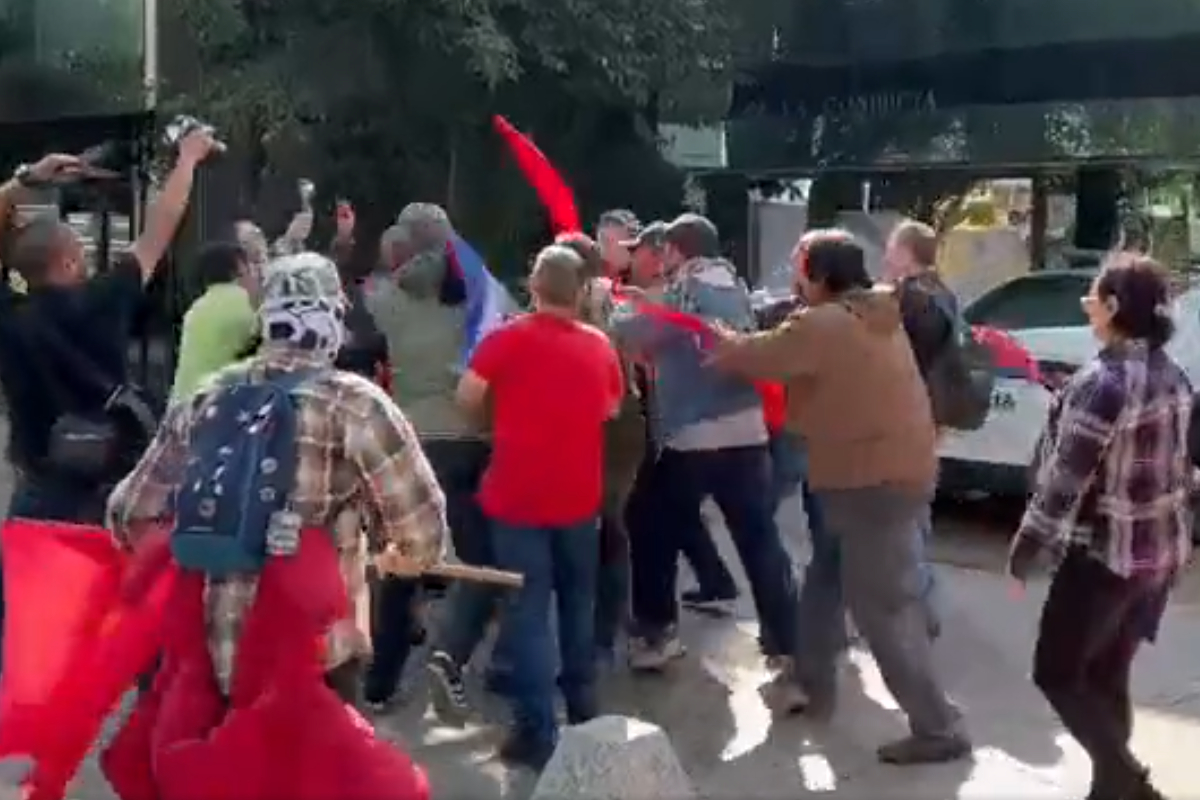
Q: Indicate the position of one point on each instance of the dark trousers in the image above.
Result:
(696, 543)
(738, 479)
(469, 606)
(560, 566)
(458, 465)
(646, 520)
(1092, 625)
(612, 582)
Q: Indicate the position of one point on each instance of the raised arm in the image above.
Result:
(49, 169)
(167, 210)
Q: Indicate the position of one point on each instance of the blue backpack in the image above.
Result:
(231, 511)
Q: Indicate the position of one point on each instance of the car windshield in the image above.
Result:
(1033, 301)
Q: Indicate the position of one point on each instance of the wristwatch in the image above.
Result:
(24, 175)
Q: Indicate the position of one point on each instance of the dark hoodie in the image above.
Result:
(927, 307)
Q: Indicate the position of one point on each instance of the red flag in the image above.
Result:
(82, 621)
(1012, 359)
(551, 189)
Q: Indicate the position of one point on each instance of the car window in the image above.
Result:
(1035, 302)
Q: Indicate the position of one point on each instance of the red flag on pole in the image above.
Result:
(82, 621)
(551, 189)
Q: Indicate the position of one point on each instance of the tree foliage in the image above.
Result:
(388, 101)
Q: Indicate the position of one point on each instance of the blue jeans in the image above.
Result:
(822, 585)
(560, 564)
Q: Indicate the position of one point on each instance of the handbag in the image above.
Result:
(90, 445)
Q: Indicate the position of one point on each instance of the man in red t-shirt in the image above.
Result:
(549, 382)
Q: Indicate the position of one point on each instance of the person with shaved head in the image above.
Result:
(550, 382)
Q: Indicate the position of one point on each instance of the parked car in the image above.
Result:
(1042, 311)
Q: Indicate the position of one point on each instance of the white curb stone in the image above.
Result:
(614, 758)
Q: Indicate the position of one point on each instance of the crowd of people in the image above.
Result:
(577, 444)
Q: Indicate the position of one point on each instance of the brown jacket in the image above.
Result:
(853, 390)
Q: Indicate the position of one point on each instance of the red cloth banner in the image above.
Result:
(551, 189)
(82, 621)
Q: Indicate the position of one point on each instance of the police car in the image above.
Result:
(1042, 311)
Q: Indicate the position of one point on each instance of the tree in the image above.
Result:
(389, 100)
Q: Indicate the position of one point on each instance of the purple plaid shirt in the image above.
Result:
(1113, 473)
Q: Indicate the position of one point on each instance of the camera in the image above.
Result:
(184, 124)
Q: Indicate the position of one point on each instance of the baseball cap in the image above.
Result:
(695, 236)
(653, 235)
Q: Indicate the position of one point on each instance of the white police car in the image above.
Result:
(1042, 311)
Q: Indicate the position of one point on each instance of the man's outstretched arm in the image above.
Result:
(167, 210)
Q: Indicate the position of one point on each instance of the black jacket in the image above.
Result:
(365, 347)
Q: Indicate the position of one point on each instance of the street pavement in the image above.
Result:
(709, 703)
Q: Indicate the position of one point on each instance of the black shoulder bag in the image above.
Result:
(92, 445)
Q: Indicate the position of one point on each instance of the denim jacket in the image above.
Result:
(686, 390)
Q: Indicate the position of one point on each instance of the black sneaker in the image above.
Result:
(709, 603)
(521, 750)
(447, 691)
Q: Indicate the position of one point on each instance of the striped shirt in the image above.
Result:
(359, 468)
(1112, 472)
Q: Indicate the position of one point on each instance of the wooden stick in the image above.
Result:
(463, 572)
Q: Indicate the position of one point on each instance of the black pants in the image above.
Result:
(738, 481)
(1092, 625)
(458, 465)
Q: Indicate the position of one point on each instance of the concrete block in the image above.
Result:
(614, 758)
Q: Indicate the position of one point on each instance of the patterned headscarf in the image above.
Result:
(303, 304)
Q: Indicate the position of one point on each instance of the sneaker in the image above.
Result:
(709, 603)
(521, 750)
(925, 750)
(447, 691)
(655, 655)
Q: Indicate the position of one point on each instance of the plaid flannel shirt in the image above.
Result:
(359, 468)
(1112, 470)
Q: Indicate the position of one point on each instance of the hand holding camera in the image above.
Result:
(195, 140)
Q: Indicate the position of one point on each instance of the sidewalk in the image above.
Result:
(710, 707)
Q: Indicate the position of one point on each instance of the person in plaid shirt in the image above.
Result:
(1110, 506)
(360, 467)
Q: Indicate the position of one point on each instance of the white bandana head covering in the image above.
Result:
(303, 304)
